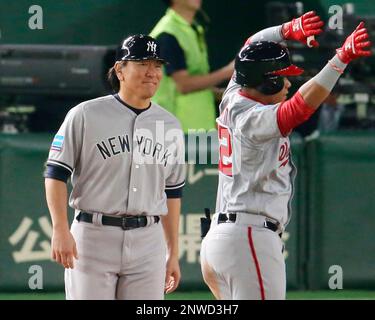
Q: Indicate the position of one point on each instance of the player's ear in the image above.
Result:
(119, 70)
(287, 82)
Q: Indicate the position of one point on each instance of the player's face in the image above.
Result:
(282, 94)
(142, 78)
(194, 5)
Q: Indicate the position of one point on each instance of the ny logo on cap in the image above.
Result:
(151, 46)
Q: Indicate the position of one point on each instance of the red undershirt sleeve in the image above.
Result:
(292, 113)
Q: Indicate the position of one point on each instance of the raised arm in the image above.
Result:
(302, 29)
(310, 95)
(316, 90)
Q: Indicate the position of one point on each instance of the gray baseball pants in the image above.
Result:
(117, 264)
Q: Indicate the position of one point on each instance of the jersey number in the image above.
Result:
(225, 151)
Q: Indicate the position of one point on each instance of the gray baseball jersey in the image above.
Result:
(255, 182)
(256, 172)
(241, 256)
(113, 154)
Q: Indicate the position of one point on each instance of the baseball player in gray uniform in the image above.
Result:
(241, 256)
(125, 155)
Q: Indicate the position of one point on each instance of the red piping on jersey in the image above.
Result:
(292, 113)
(246, 95)
(253, 253)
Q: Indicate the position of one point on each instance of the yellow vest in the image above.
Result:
(195, 110)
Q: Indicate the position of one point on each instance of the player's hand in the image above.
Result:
(303, 29)
(227, 71)
(355, 44)
(173, 274)
(64, 248)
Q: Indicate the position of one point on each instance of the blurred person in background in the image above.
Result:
(330, 114)
(187, 88)
(325, 119)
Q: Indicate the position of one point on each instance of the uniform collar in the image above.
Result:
(246, 95)
(135, 110)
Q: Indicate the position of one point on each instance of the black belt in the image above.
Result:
(125, 222)
(231, 217)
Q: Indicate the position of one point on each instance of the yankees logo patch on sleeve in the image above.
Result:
(57, 143)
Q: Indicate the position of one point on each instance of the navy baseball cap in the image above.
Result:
(139, 47)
